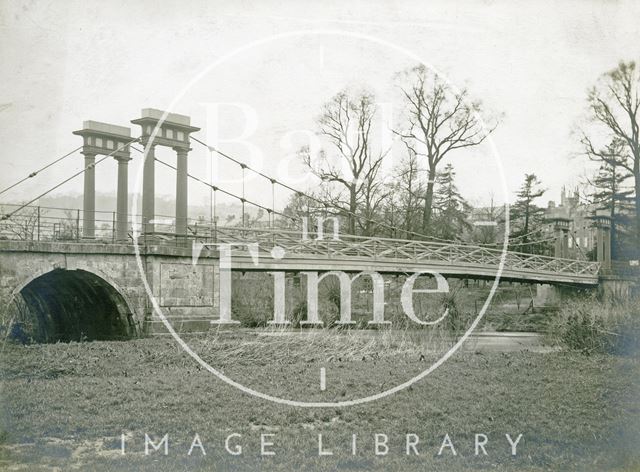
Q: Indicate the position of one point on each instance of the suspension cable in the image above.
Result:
(538, 241)
(218, 189)
(575, 243)
(214, 216)
(311, 197)
(9, 215)
(537, 230)
(273, 201)
(528, 243)
(242, 199)
(212, 210)
(36, 172)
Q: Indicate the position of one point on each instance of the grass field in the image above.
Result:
(65, 405)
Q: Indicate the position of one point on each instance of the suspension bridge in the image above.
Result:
(80, 264)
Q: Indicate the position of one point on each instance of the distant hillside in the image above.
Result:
(164, 205)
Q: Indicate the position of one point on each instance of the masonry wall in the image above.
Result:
(184, 292)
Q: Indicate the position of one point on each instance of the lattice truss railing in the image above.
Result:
(47, 224)
(407, 250)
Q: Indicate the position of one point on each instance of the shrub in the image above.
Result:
(18, 324)
(457, 320)
(598, 326)
(330, 311)
(251, 301)
(299, 313)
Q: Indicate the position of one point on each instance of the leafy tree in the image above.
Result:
(452, 210)
(525, 216)
(440, 120)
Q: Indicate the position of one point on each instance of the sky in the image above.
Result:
(270, 65)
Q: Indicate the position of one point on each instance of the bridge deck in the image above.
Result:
(348, 253)
(356, 253)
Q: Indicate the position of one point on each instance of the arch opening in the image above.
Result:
(70, 305)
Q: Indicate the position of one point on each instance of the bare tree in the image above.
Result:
(615, 135)
(488, 234)
(22, 225)
(440, 120)
(409, 192)
(374, 193)
(347, 124)
(67, 229)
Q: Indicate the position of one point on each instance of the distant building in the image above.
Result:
(487, 225)
(582, 232)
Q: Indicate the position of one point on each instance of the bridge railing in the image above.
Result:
(60, 224)
(413, 250)
(39, 223)
(47, 223)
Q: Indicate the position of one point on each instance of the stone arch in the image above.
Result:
(70, 305)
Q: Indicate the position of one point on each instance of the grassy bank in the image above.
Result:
(66, 405)
(591, 325)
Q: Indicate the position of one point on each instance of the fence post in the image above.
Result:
(78, 225)
(38, 222)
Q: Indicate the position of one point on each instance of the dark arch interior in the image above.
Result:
(70, 305)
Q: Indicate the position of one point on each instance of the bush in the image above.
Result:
(299, 313)
(251, 301)
(330, 311)
(18, 324)
(598, 326)
(457, 321)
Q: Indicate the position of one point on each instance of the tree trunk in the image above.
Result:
(428, 200)
(612, 215)
(525, 238)
(409, 210)
(407, 222)
(612, 229)
(637, 200)
(352, 210)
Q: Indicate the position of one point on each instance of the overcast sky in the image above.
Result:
(532, 62)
